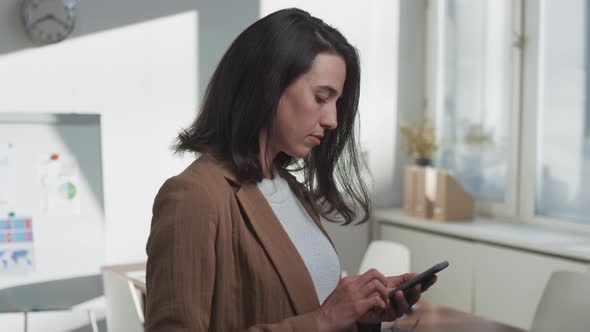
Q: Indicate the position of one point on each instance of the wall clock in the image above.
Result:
(48, 21)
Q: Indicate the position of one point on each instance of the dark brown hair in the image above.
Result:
(241, 101)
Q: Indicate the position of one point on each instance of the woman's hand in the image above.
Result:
(403, 304)
(352, 299)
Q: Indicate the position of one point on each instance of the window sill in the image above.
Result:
(524, 237)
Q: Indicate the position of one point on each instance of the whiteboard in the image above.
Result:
(67, 239)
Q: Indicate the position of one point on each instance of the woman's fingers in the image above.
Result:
(371, 275)
(401, 305)
(372, 303)
(371, 282)
(375, 287)
(413, 294)
(429, 283)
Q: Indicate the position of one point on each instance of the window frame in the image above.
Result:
(434, 95)
(519, 205)
(532, 80)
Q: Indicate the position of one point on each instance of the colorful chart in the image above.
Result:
(67, 190)
(16, 245)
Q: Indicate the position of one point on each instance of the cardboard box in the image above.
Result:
(431, 193)
(451, 202)
(409, 189)
(423, 206)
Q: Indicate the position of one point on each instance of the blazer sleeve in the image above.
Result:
(180, 272)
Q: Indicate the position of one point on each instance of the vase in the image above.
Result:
(420, 161)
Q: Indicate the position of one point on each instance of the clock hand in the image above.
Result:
(39, 21)
(60, 22)
(48, 17)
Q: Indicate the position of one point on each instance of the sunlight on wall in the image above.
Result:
(153, 61)
(143, 80)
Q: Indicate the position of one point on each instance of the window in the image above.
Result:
(562, 184)
(472, 63)
(509, 89)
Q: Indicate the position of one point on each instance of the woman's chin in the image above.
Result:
(300, 153)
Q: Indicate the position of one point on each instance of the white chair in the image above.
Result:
(124, 312)
(389, 258)
(565, 305)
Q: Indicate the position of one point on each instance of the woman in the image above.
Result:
(236, 242)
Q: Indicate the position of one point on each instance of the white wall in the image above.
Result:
(144, 85)
(142, 68)
(142, 65)
(372, 27)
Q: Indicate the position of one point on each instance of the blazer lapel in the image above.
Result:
(283, 254)
(276, 242)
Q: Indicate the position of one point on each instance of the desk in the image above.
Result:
(124, 271)
(443, 319)
(59, 294)
(432, 317)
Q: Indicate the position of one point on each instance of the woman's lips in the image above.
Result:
(316, 139)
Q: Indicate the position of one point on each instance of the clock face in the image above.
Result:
(48, 21)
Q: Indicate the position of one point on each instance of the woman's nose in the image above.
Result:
(329, 119)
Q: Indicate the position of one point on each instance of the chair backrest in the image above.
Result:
(124, 311)
(389, 258)
(565, 304)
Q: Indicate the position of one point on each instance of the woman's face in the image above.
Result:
(307, 108)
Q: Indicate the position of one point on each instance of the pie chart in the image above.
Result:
(67, 190)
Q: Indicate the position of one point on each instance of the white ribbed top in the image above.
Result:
(317, 252)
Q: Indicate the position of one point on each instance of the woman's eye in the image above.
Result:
(320, 100)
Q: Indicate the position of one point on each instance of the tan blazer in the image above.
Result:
(219, 260)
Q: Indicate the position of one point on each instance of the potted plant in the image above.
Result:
(419, 142)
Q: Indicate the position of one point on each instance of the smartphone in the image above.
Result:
(422, 277)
